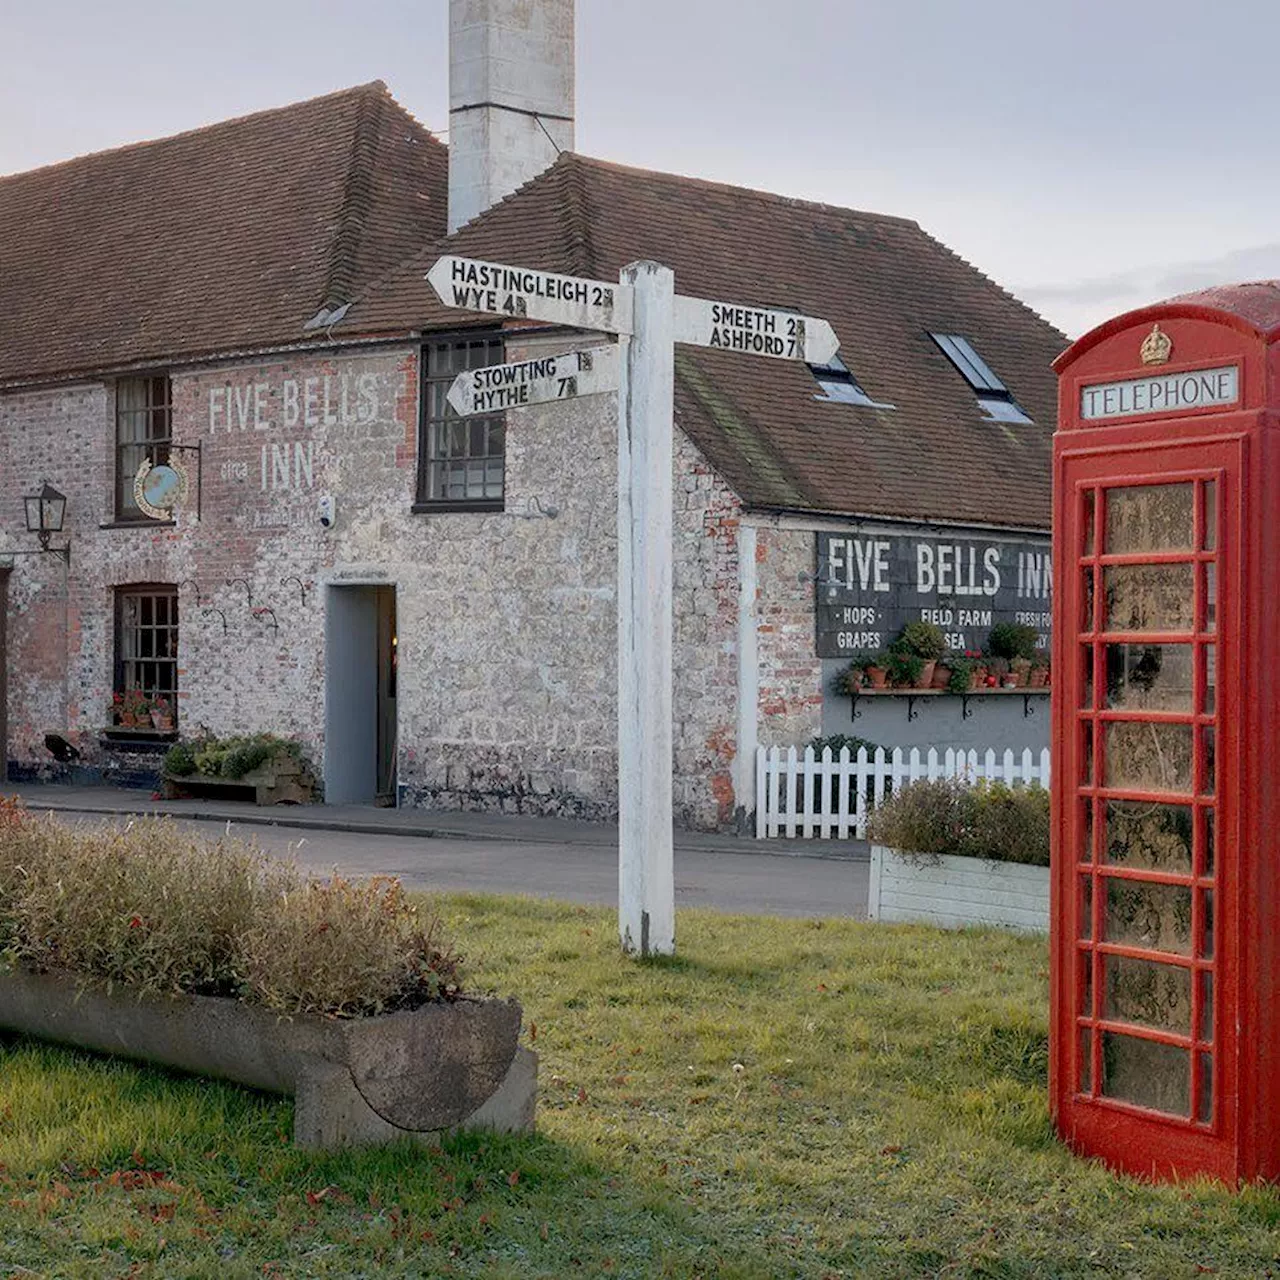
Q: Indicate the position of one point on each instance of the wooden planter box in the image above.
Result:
(359, 1081)
(955, 892)
(282, 781)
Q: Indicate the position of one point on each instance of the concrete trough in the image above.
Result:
(418, 1074)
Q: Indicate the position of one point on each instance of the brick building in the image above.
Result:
(427, 603)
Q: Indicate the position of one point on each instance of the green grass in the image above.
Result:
(785, 1098)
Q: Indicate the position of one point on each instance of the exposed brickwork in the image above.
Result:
(507, 621)
(790, 671)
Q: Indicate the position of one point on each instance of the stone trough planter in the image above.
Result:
(955, 892)
(358, 1081)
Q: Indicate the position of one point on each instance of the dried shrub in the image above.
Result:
(346, 948)
(164, 913)
(941, 816)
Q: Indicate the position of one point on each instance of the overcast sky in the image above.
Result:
(1089, 155)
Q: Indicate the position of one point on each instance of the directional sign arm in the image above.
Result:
(588, 372)
(499, 289)
(757, 331)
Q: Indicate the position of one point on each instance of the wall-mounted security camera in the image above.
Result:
(325, 510)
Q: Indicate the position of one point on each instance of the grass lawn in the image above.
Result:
(783, 1099)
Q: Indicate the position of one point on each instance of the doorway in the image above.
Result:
(360, 697)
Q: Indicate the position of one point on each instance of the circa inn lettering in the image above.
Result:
(870, 585)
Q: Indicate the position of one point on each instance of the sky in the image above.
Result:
(1089, 155)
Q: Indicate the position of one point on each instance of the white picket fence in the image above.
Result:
(803, 794)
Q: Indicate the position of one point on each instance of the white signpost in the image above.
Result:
(649, 318)
(512, 386)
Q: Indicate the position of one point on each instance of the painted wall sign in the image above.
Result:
(1165, 393)
(871, 584)
(508, 386)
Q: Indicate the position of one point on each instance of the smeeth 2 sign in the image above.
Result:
(869, 585)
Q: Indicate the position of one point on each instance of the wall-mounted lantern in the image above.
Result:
(46, 513)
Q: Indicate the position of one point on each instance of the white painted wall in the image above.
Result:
(511, 97)
(955, 892)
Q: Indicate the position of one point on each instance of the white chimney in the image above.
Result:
(510, 97)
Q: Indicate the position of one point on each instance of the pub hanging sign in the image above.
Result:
(869, 585)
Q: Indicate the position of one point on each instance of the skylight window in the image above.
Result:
(994, 397)
(839, 385)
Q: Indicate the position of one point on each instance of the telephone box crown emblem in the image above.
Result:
(1157, 346)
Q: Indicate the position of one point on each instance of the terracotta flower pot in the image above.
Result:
(128, 720)
(941, 675)
(926, 674)
(162, 721)
(879, 677)
(1038, 678)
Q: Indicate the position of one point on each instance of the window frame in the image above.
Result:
(121, 662)
(156, 446)
(993, 397)
(423, 502)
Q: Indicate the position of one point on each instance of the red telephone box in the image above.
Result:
(1165, 943)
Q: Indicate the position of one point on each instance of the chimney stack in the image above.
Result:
(510, 97)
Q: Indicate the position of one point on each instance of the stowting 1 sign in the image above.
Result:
(869, 585)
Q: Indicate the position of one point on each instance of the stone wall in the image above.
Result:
(507, 624)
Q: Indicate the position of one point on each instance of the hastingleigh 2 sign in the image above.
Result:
(870, 585)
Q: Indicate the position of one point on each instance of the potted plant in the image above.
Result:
(997, 672)
(1019, 669)
(923, 640)
(964, 675)
(162, 715)
(943, 669)
(906, 669)
(866, 671)
(1011, 640)
(133, 708)
(1038, 677)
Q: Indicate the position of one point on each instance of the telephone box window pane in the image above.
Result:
(1086, 1059)
(1208, 924)
(1149, 597)
(1156, 917)
(1210, 539)
(1086, 600)
(1210, 679)
(1086, 983)
(1205, 1030)
(1146, 1073)
(1086, 676)
(1152, 837)
(1086, 910)
(1087, 517)
(1210, 764)
(1211, 597)
(1204, 1111)
(1149, 677)
(1148, 757)
(1086, 846)
(1152, 517)
(1086, 755)
(1208, 842)
(1149, 994)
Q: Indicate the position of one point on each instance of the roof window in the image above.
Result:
(994, 397)
(838, 384)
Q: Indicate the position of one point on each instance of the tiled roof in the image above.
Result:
(224, 238)
(882, 282)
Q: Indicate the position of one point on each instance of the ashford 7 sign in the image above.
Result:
(871, 584)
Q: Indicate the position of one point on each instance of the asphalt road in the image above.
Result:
(747, 883)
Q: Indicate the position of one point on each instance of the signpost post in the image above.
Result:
(648, 316)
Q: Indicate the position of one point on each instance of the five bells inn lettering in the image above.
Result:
(871, 585)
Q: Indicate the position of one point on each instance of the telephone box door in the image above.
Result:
(1143, 874)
